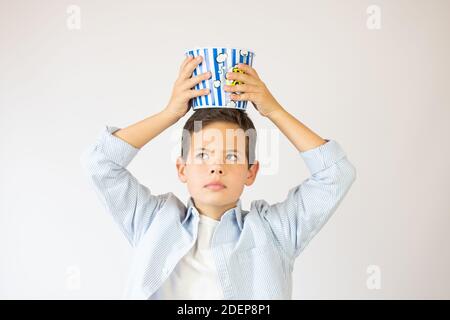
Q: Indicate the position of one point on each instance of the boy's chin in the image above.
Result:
(217, 199)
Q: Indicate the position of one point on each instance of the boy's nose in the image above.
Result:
(219, 171)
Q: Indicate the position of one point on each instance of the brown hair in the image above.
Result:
(210, 115)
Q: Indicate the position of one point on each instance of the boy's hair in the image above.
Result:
(210, 115)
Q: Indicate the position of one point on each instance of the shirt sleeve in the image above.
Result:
(130, 203)
(308, 206)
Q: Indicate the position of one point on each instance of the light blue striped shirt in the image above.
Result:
(254, 251)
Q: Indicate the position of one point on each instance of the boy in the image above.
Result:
(212, 248)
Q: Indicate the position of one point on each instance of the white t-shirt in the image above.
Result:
(195, 275)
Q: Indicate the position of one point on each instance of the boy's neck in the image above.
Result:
(214, 212)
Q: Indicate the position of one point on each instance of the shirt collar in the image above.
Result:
(236, 212)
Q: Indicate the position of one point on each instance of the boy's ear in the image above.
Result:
(252, 172)
(181, 166)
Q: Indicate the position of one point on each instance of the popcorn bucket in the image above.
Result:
(218, 60)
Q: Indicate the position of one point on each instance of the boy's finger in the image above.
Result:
(247, 69)
(189, 68)
(196, 93)
(185, 61)
(241, 88)
(190, 83)
(242, 97)
(241, 77)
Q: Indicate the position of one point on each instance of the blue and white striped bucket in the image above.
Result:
(218, 60)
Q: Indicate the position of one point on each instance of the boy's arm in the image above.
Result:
(300, 135)
(140, 133)
(309, 205)
(130, 203)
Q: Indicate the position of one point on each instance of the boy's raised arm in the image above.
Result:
(130, 203)
(309, 205)
(139, 134)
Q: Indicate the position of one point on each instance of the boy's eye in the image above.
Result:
(205, 156)
(201, 155)
(232, 157)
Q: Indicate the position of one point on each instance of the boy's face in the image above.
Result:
(222, 160)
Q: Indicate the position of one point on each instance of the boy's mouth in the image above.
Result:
(215, 185)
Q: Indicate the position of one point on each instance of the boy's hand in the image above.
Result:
(253, 90)
(182, 91)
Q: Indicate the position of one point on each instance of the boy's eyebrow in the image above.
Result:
(205, 149)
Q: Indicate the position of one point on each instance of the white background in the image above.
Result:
(383, 94)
